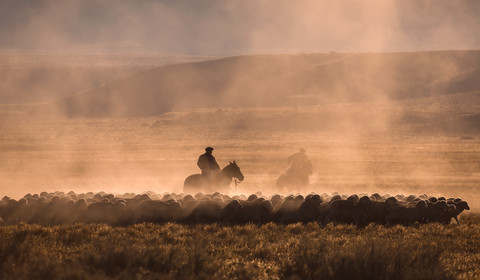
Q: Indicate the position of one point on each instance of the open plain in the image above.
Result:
(132, 130)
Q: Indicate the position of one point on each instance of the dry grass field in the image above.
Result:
(171, 251)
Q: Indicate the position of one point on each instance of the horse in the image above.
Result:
(198, 183)
(292, 178)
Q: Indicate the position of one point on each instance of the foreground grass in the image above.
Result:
(149, 251)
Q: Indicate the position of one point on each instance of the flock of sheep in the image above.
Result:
(67, 208)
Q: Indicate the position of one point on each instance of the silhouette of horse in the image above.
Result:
(197, 183)
(292, 178)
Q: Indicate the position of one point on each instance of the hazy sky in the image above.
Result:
(239, 26)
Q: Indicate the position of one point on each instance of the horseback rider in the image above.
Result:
(208, 165)
(298, 173)
(300, 167)
(299, 161)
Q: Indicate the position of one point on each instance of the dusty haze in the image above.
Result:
(123, 97)
(232, 27)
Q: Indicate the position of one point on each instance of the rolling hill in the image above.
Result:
(32, 78)
(278, 81)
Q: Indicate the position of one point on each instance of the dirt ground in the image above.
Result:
(135, 155)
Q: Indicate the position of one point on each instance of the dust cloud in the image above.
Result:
(238, 27)
(120, 96)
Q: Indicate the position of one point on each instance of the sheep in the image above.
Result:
(287, 211)
(460, 206)
(406, 214)
(335, 197)
(410, 198)
(423, 196)
(35, 206)
(98, 197)
(16, 211)
(341, 211)
(60, 208)
(206, 211)
(276, 201)
(299, 198)
(400, 197)
(446, 216)
(188, 203)
(367, 211)
(109, 196)
(436, 211)
(363, 207)
(156, 211)
(377, 196)
(100, 212)
(199, 196)
(325, 197)
(232, 213)
(376, 211)
(258, 211)
(67, 215)
(49, 211)
(143, 197)
(312, 209)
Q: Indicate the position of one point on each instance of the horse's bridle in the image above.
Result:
(236, 182)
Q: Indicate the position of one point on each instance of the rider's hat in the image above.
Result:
(208, 148)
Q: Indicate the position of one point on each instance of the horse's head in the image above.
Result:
(233, 171)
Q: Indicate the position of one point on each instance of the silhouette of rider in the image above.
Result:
(208, 165)
(299, 162)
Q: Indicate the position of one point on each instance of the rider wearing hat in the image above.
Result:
(300, 167)
(208, 164)
(299, 161)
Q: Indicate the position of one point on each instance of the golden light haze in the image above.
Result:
(230, 27)
(123, 96)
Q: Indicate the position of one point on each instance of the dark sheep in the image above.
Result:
(46, 215)
(374, 211)
(410, 198)
(17, 211)
(312, 209)
(377, 196)
(232, 213)
(406, 214)
(436, 211)
(258, 211)
(206, 212)
(66, 215)
(460, 206)
(100, 212)
(287, 213)
(60, 208)
(335, 197)
(156, 212)
(341, 211)
(276, 201)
